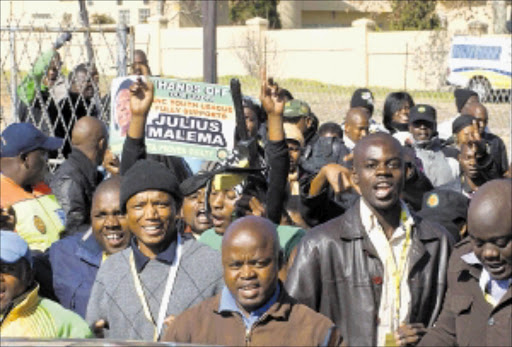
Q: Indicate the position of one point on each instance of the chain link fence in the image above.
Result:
(52, 87)
(112, 48)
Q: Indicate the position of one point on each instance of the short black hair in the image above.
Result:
(285, 93)
(330, 127)
(248, 102)
(393, 103)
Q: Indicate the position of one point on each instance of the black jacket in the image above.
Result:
(73, 185)
(338, 273)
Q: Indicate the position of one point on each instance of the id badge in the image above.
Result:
(390, 340)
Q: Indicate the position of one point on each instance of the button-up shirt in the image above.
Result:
(390, 253)
(228, 304)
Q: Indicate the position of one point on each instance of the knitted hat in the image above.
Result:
(461, 122)
(148, 175)
(462, 96)
(422, 112)
(363, 97)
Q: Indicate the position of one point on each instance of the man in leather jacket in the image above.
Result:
(345, 267)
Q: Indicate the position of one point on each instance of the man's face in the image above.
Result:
(222, 203)
(194, 212)
(301, 123)
(379, 172)
(123, 112)
(13, 282)
(53, 70)
(467, 161)
(421, 130)
(82, 84)
(492, 244)
(151, 216)
(357, 128)
(250, 269)
(109, 225)
(466, 135)
(402, 115)
(481, 115)
(294, 152)
(35, 166)
(251, 122)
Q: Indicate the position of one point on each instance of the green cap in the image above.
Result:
(296, 108)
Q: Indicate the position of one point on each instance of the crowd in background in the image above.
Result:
(342, 233)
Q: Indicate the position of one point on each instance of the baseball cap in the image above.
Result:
(445, 207)
(13, 248)
(422, 112)
(296, 108)
(20, 138)
(292, 132)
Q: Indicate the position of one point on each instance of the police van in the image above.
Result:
(482, 64)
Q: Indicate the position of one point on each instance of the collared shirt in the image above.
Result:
(489, 286)
(228, 304)
(166, 256)
(390, 251)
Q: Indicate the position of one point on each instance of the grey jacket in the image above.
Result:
(114, 298)
(438, 168)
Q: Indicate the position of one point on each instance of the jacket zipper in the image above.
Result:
(249, 331)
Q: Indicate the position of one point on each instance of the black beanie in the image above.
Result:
(149, 175)
(362, 97)
(461, 122)
(462, 96)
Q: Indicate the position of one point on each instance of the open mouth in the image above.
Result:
(249, 290)
(383, 190)
(217, 221)
(495, 268)
(202, 217)
(114, 238)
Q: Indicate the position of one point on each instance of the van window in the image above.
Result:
(476, 52)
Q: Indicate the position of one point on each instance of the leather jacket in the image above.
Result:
(338, 273)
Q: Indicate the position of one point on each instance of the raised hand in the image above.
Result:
(141, 95)
(269, 96)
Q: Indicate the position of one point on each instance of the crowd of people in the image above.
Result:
(349, 233)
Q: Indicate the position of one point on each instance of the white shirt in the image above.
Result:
(390, 254)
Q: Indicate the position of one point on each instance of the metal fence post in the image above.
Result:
(14, 77)
(122, 35)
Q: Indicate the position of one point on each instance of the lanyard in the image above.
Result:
(171, 279)
(398, 271)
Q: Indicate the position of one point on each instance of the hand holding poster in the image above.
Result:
(186, 119)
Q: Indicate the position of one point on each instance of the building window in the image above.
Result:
(119, 2)
(90, 2)
(145, 2)
(124, 17)
(143, 15)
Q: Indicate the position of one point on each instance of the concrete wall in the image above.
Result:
(354, 56)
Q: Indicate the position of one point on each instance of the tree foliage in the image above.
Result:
(101, 18)
(241, 10)
(414, 15)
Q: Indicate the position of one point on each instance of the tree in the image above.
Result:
(414, 15)
(100, 18)
(241, 10)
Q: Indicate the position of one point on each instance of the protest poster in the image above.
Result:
(186, 119)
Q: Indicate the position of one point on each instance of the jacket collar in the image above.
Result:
(24, 304)
(352, 228)
(89, 250)
(279, 310)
